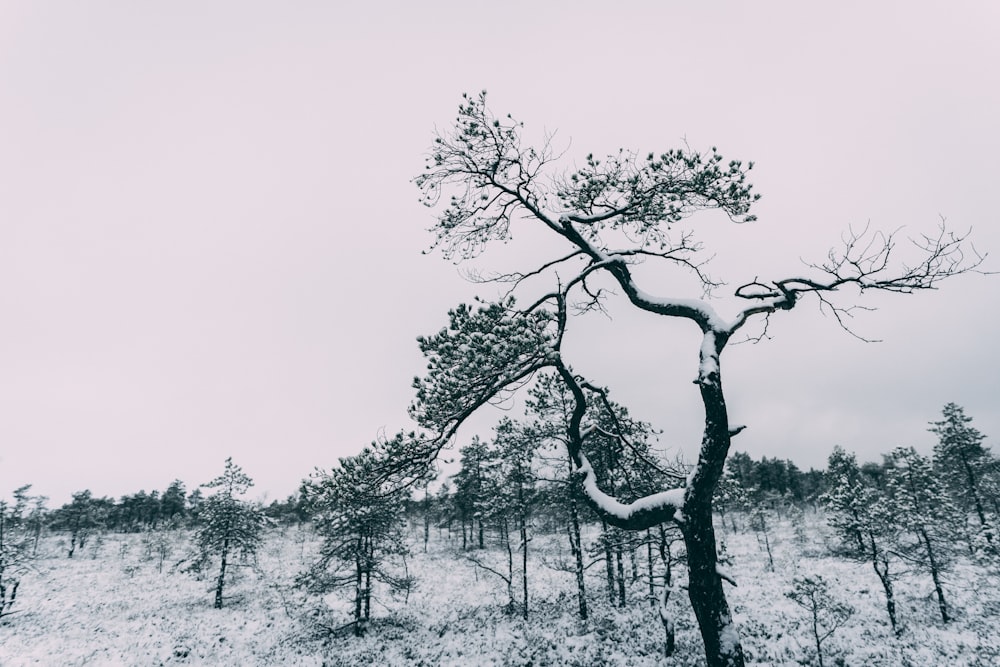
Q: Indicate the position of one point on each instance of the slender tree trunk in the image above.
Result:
(524, 563)
(881, 566)
(857, 533)
(970, 480)
(767, 546)
(358, 574)
(609, 562)
(427, 519)
(576, 546)
(669, 643)
(368, 593)
(815, 625)
(619, 566)
(649, 568)
(505, 533)
(935, 575)
(222, 574)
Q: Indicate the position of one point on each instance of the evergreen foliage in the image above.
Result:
(229, 524)
(964, 463)
(360, 519)
(18, 543)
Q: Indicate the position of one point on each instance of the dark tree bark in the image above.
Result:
(358, 595)
(935, 574)
(609, 564)
(524, 564)
(649, 569)
(576, 546)
(221, 581)
(973, 489)
(669, 643)
(620, 572)
(881, 566)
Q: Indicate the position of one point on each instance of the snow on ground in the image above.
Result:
(110, 605)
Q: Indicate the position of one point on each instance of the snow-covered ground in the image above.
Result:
(110, 605)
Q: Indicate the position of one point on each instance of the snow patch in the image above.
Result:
(671, 498)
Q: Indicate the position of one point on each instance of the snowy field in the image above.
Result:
(112, 605)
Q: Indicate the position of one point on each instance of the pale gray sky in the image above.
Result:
(210, 245)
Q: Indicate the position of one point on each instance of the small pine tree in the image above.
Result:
(16, 551)
(826, 613)
(81, 517)
(962, 460)
(864, 519)
(172, 502)
(470, 495)
(228, 524)
(925, 511)
(361, 523)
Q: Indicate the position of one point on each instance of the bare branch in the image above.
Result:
(865, 261)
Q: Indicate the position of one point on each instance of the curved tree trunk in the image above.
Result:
(692, 511)
(708, 599)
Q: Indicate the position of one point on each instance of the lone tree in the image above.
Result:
(826, 614)
(612, 214)
(229, 524)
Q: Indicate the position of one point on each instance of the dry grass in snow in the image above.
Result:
(111, 606)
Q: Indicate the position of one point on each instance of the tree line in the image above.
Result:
(902, 513)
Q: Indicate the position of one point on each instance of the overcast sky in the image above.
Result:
(210, 244)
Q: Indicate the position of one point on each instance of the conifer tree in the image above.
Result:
(16, 551)
(360, 519)
(470, 494)
(826, 613)
(963, 462)
(229, 524)
(924, 510)
(864, 519)
(81, 518)
(172, 502)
